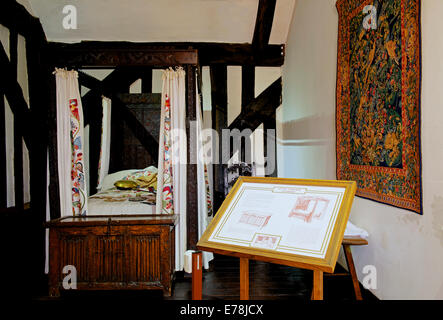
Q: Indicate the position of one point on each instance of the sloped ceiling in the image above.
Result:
(230, 21)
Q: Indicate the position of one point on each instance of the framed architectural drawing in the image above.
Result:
(287, 221)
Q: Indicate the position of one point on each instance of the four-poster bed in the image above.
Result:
(116, 249)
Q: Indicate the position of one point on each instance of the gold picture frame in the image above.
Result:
(322, 205)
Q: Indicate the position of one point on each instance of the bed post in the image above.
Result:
(191, 172)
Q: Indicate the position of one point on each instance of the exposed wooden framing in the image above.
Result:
(18, 140)
(191, 169)
(14, 94)
(248, 94)
(235, 54)
(112, 54)
(30, 124)
(147, 81)
(263, 24)
(95, 115)
(270, 124)
(248, 85)
(219, 96)
(137, 128)
(115, 161)
(118, 81)
(88, 81)
(109, 54)
(3, 172)
(38, 83)
(143, 98)
(15, 16)
(54, 185)
(260, 109)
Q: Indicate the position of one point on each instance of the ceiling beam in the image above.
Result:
(113, 54)
(263, 24)
(158, 55)
(239, 54)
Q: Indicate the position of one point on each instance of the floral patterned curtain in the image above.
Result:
(171, 178)
(71, 167)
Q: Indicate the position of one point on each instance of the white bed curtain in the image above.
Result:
(171, 181)
(203, 188)
(73, 192)
(105, 150)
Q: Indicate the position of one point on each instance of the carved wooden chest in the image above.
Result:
(112, 252)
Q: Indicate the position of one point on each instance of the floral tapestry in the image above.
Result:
(378, 100)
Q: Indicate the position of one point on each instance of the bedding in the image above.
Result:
(116, 202)
(112, 201)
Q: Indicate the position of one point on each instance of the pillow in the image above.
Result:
(110, 179)
(137, 174)
(125, 184)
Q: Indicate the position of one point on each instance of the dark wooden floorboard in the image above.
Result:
(221, 282)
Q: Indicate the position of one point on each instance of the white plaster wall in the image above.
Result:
(9, 130)
(136, 86)
(157, 81)
(22, 79)
(405, 248)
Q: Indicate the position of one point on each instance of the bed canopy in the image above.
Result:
(177, 180)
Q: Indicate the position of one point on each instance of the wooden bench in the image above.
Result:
(347, 243)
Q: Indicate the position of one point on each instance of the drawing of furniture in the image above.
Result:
(308, 207)
(256, 219)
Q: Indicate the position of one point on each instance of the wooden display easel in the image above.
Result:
(317, 291)
(337, 215)
(317, 288)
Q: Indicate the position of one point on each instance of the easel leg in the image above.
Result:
(317, 290)
(351, 266)
(197, 275)
(244, 279)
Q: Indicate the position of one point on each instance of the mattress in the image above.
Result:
(118, 202)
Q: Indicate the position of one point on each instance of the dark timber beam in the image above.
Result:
(88, 81)
(268, 125)
(112, 54)
(147, 81)
(263, 24)
(14, 94)
(3, 187)
(15, 16)
(39, 76)
(191, 168)
(18, 139)
(219, 96)
(235, 54)
(261, 109)
(248, 85)
(54, 184)
(118, 81)
(137, 128)
(158, 55)
(248, 94)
